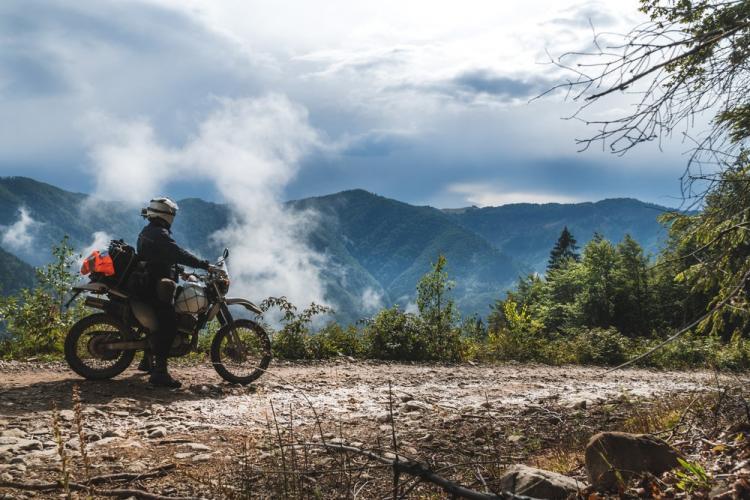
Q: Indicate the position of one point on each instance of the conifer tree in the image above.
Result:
(565, 249)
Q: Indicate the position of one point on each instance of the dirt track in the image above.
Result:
(134, 427)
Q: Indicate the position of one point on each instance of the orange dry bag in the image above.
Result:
(99, 263)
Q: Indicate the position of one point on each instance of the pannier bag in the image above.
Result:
(98, 264)
(112, 266)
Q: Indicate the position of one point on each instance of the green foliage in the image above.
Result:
(519, 336)
(36, 319)
(290, 342)
(691, 477)
(438, 313)
(565, 249)
(600, 346)
(334, 340)
(397, 335)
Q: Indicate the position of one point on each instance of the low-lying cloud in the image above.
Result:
(247, 150)
(19, 236)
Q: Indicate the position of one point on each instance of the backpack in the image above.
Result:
(124, 260)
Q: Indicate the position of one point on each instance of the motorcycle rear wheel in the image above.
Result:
(84, 354)
(241, 351)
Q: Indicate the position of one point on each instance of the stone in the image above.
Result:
(612, 457)
(196, 447)
(538, 483)
(28, 444)
(13, 433)
(383, 418)
(182, 456)
(67, 414)
(6, 477)
(515, 438)
(204, 457)
(157, 432)
(113, 433)
(414, 406)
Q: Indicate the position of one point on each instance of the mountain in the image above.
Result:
(375, 248)
(14, 273)
(528, 231)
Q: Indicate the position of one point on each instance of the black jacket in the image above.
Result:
(161, 253)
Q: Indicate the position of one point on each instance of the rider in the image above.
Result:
(161, 253)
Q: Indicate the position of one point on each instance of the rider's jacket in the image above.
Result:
(160, 251)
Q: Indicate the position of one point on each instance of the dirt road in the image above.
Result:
(131, 426)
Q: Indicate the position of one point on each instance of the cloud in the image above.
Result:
(247, 150)
(99, 241)
(485, 196)
(371, 300)
(19, 236)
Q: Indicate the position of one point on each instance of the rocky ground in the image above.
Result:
(491, 416)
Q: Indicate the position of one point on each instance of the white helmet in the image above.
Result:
(161, 208)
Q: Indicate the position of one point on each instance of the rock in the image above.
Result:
(204, 457)
(629, 454)
(515, 438)
(414, 406)
(113, 433)
(182, 456)
(383, 418)
(581, 405)
(67, 415)
(337, 441)
(6, 477)
(196, 447)
(406, 397)
(120, 413)
(13, 433)
(18, 460)
(538, 483)
(28, 444)
(157, 432)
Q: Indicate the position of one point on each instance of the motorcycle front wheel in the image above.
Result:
(241, 351)
(85, 351)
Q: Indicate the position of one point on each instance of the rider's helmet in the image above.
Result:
(161, 208)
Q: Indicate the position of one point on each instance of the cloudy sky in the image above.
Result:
(423, 101)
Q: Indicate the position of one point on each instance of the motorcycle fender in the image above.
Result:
(244, 303)
(145, 315)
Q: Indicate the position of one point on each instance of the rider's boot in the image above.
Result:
(160, 377)
(146, 364)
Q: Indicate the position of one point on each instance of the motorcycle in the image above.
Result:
(103, 345)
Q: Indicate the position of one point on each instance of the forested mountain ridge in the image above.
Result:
(375, 248)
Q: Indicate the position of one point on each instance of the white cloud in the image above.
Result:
(372, 300)
(484, 195)
(99, 241)
(19, 236)
(248, 150)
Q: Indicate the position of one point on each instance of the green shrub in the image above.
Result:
(36, 321)
(334, 340)
(518, 338)
(600, 346)
(397, 335)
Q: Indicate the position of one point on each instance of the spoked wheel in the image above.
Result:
(241, 351)
(85, 351)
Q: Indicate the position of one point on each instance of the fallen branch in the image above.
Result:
(403, 465)
(117, 493)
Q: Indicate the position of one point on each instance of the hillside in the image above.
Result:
(527, 231)
(376, 248)
(14, 273)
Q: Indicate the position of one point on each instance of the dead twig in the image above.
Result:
(116, 493)
(406, 466)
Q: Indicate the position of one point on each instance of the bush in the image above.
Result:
(518, 338)
(36, 321)
(397, 335)
(334, 340)
(601, 346)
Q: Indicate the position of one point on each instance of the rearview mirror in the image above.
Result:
(226, 253)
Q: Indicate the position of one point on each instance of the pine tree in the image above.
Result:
(565, 249)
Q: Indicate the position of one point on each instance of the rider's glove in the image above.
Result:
(205, 265)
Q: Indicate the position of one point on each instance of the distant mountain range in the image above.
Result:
(376, 248)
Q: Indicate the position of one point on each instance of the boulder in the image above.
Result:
(615, 457)
(538, 483)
